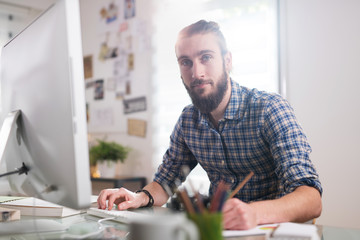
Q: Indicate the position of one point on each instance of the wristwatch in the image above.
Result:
(151, 199)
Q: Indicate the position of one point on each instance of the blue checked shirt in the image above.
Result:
(259, 133)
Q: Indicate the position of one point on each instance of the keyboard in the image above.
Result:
(124, 216)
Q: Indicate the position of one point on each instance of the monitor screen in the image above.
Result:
(44, 110)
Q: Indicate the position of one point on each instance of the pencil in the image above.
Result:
(237, 189)
(199, 201)
(187, 202)
(215, 201)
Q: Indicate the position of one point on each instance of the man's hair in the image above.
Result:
(203, 27)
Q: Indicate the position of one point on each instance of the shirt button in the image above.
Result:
(232, 180)
(222, 162)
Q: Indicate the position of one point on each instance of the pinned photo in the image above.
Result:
(107, 52)
(99, 89)
(129, 9)
(130, 61)
(109, 14)
(88, 67)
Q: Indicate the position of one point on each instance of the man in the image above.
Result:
(230, 131)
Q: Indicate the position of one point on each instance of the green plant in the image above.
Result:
(108, 151)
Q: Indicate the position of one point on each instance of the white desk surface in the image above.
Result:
(84, 225)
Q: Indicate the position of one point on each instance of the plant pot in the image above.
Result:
(107, 168)
(94, 171)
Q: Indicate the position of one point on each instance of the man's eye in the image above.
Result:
(206, 58)
(186, 63)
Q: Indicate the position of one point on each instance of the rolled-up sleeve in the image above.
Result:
(289, 147)
(169, 173)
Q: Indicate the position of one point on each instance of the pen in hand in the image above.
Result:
(237, 189)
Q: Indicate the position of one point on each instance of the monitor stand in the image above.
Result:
(13, 149)
(11, 128)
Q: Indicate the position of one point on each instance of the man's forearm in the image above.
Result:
(158, 193)
(301, 205)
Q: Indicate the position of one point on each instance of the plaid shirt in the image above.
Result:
(259, 133)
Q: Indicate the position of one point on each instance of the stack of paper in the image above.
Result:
(8, 214)
(30, 206)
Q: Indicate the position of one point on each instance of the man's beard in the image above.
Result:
(210, 102)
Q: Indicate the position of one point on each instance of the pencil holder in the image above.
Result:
(209, 225)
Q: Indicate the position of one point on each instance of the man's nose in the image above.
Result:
(198, 70)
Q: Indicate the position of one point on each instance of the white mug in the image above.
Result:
(164, 227)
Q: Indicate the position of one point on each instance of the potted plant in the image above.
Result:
(105, 155)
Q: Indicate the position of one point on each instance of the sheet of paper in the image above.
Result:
(9, 198)
(259, 230)
(102, 116)
(297, 230)
(30, 202)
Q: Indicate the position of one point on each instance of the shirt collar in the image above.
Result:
(235, 105)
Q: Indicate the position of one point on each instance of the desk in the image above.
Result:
(85, 225)
(131, 183)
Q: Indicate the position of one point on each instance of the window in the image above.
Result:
(250, 29)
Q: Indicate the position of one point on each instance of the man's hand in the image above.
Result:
(123, 198)
(238, 215)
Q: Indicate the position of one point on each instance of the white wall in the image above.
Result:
(322, 68)
(139, 161)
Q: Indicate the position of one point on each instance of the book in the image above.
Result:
(295, 231)
(8, 214)
(30, 206)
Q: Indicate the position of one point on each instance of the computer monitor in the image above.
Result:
(44, 109)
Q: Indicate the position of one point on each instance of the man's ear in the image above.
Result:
(228, 61)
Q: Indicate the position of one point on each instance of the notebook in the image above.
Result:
(282, 231)
(295, 231)
(8, 214)
(30, 206)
